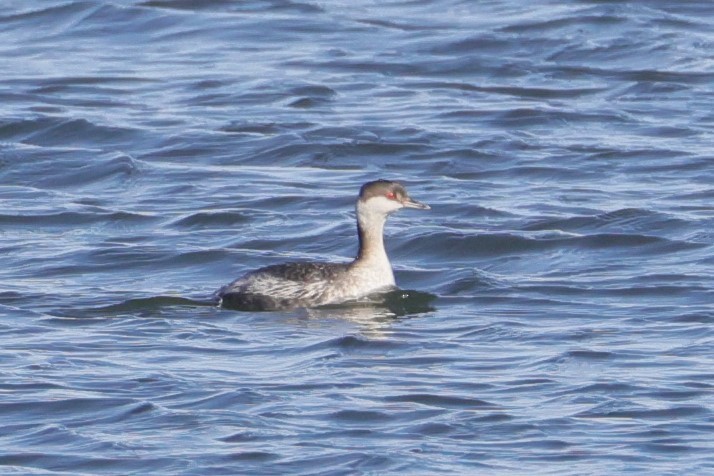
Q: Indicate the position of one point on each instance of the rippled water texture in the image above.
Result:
(558, 313)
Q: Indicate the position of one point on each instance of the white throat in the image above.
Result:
(372, 253)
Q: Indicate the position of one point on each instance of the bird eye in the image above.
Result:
(390, 195)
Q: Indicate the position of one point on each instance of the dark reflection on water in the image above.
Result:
(396, 303)
(558, 305)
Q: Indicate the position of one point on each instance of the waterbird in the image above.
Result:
(311, 284)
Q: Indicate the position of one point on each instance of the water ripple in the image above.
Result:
(554, 307)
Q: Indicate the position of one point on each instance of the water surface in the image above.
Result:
(152, 151)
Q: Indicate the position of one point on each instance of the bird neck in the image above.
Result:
(370, 229)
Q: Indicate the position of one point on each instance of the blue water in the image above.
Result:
(558, 306)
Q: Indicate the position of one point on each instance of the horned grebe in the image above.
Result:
(293, 285)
